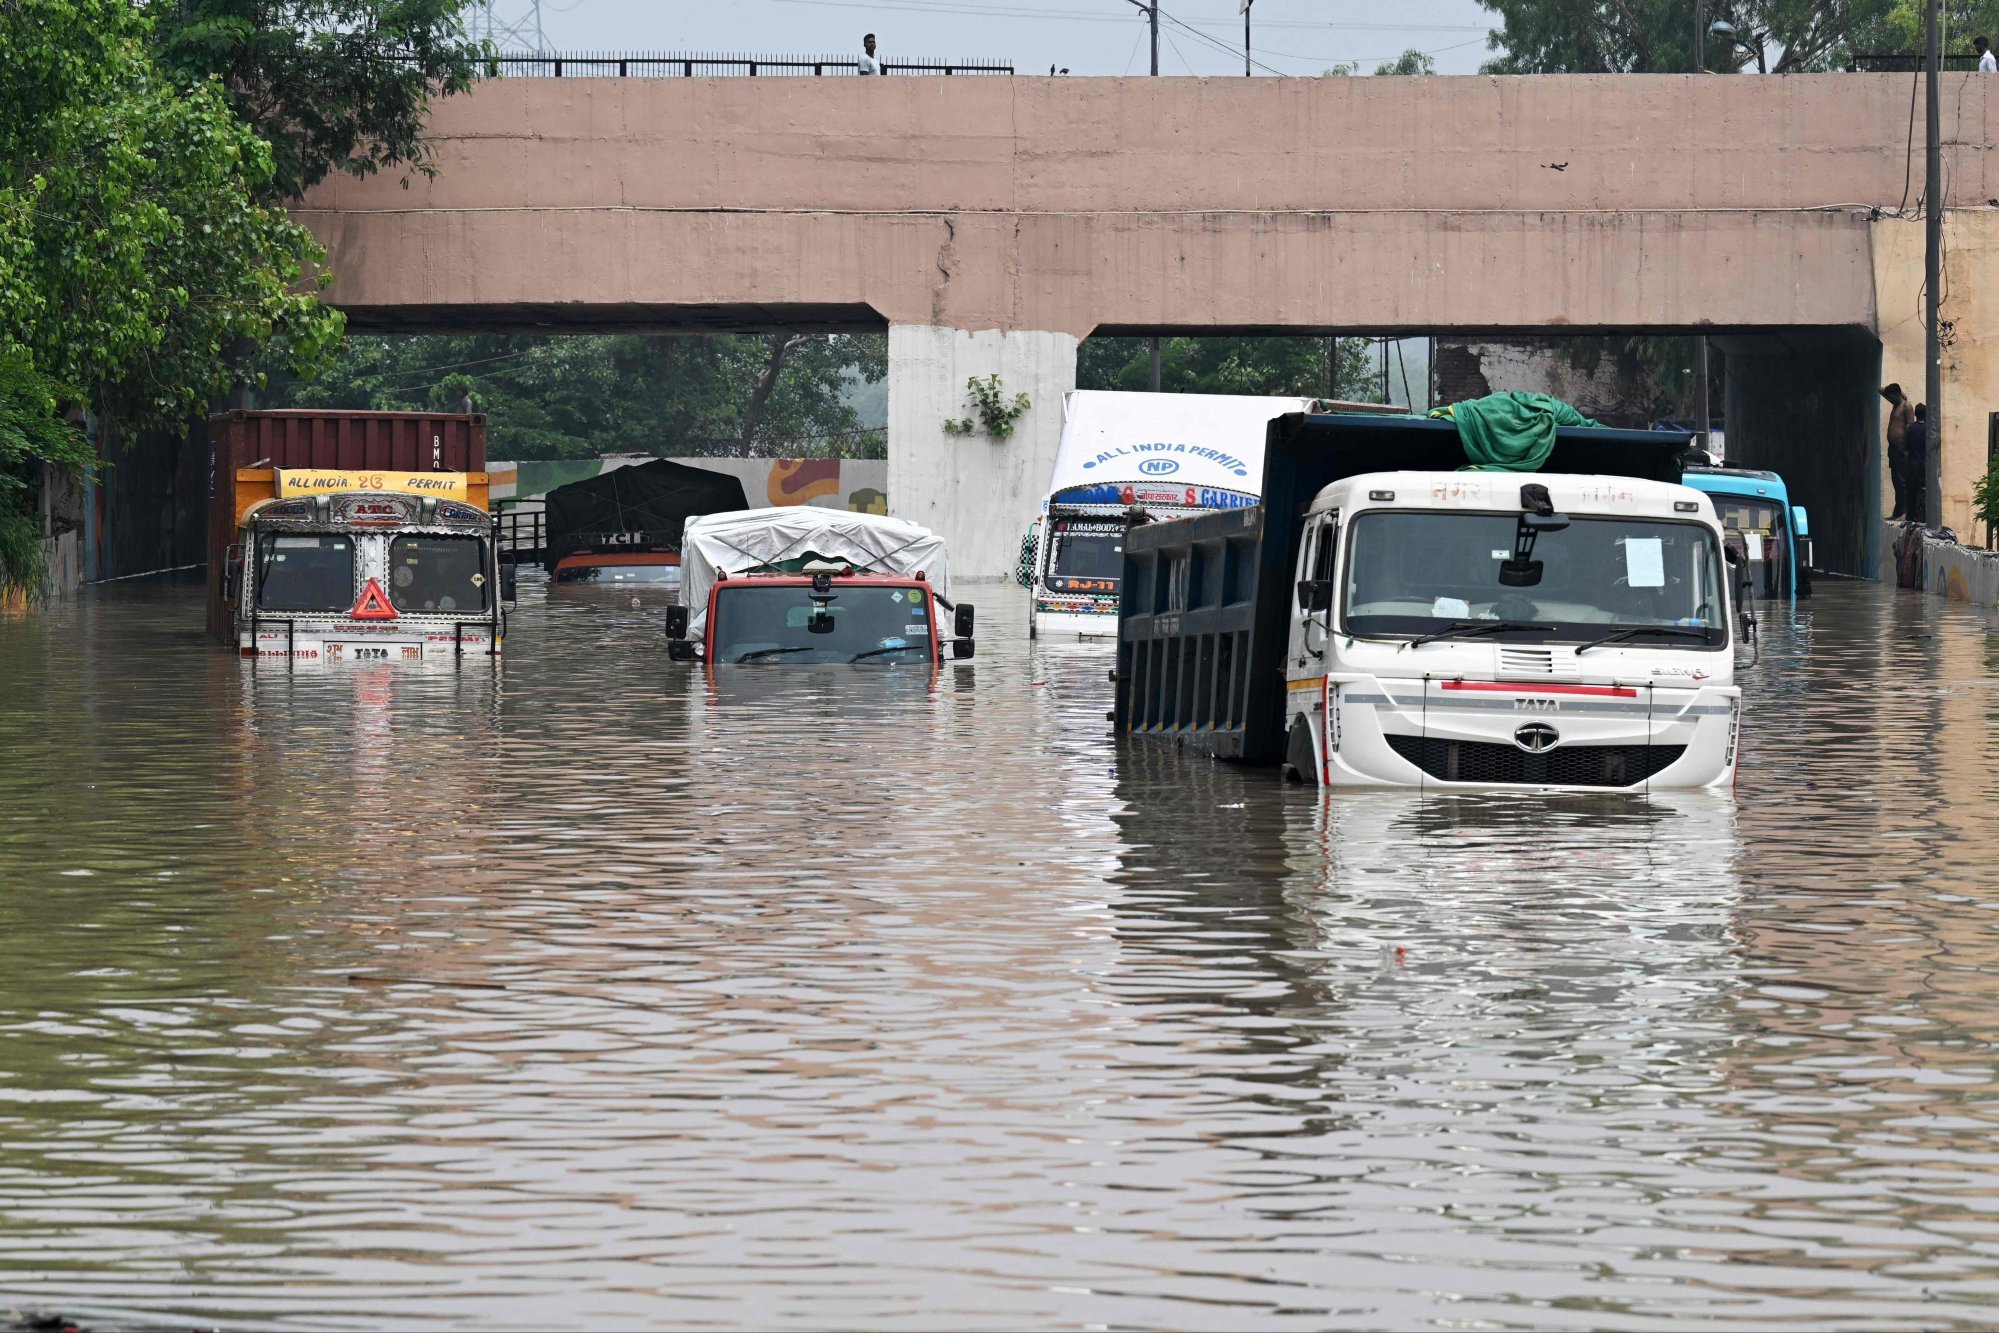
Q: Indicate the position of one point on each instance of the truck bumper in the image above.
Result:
(1508, 735)
(313, 645)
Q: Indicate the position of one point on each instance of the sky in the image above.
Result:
(1085, 36)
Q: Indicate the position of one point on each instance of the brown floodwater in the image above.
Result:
(578, 993)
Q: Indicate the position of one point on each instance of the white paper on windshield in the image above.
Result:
(1502, 555)
(1645, 562)
(1456, 608)
(1755, 543)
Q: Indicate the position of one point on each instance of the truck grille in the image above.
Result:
(1563, 766)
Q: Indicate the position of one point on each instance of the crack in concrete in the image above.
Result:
(946, 253)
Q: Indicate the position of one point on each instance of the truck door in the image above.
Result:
(1312, 595)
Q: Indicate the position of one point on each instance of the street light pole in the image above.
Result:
(1933, 204)
(1245, 37)
(1703, 411)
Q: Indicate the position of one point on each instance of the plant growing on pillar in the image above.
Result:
(1985, 499)
(992, 411)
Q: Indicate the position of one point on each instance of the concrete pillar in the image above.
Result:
(976, 492)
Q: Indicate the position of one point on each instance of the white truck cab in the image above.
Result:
(1497, 629)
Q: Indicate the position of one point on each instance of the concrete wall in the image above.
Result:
(979, 492)
(1067, 204)
(1473, 367)
(1971, 343)
(1911, 558)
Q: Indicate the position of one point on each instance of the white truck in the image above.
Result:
(1166, 454)
(1574, 627)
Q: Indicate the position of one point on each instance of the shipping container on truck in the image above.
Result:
(310, 438)
(396, 500)
(1385, 618)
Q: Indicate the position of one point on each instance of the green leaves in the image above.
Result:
(1305, 367)
(331, 85)
(135, 255)
(580, 396)
(1657, 36)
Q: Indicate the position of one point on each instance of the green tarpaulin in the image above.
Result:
(1510, 432)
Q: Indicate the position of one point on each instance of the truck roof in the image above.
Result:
(1583, 493)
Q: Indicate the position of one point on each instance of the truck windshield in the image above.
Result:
(1412, 573)
(300, 572)
(437, 574)
(869, 623)
(1088, 556)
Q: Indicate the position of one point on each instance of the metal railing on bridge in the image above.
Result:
(1953, 62)
(713, 64)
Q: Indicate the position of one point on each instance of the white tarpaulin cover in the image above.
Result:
(758, 539)
(1162, 445)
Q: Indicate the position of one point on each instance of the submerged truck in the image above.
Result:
(345, 537)
(621, 528)
(1386, 619)
(1776, 534)
(805, 585)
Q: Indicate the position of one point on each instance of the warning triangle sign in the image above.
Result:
(373, 605)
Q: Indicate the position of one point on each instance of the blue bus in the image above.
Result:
(1757, 505)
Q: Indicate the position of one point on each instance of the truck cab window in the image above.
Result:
(437, 574)
(304, 572)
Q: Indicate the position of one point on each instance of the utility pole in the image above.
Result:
(1933, 204)
(1151, 12)
(1703, 412)
(1245, 36)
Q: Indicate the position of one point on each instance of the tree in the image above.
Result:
(331, 85)
(1899, 29)
(1285, 366)
(1657, 36)
(133, 250)
(578, 396)
(1411, 61)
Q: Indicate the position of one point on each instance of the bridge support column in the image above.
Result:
(977, 492)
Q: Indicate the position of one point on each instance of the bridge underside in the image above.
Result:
(990, 225)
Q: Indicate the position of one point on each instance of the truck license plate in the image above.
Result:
(374, 652)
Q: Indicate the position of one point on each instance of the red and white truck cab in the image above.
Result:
(812, 586)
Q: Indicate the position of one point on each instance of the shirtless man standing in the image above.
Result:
(1901, 413)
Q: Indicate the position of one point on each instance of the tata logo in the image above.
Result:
(1536, 737)
(1159, 467)
(1535, 705)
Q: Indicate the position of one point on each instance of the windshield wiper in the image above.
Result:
(899, 648)
(1617, 636)
(1470, 629)
(755, 653)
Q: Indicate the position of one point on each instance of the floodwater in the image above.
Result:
(578, 994)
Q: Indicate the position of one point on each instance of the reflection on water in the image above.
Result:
(591, 993)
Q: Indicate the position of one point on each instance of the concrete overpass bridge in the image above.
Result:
(991, 224)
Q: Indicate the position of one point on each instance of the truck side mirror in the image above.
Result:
(1799, 524)
(510, 582)
(962, 624)
(676, 625)
(679, 650)
(961, 648)
(1315, 594)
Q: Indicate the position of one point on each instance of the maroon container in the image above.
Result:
(386, 441)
